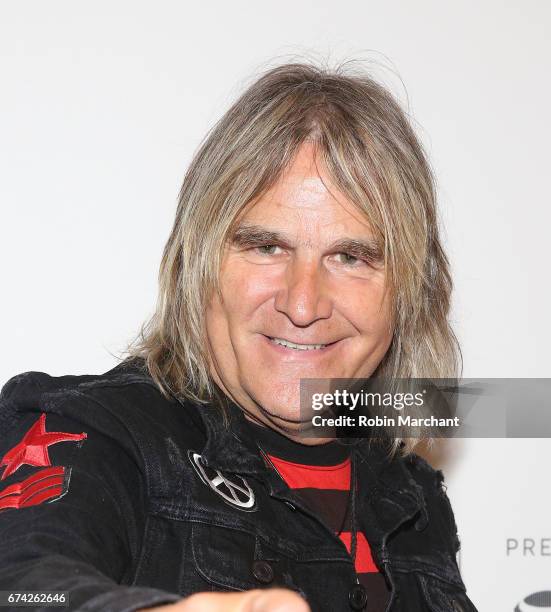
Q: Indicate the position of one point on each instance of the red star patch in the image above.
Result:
(33, 448)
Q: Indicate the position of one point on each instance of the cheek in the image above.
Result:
(368, 309)
(245, 288)
(372, 319)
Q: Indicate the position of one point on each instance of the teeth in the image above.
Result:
(299, 347)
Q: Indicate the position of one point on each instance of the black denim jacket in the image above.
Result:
(162, 500)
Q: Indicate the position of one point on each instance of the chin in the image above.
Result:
(280, 401)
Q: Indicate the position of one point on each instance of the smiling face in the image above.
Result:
(303, 296)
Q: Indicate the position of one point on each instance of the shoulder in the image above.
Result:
(123, 404)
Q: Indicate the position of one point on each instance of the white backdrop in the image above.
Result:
(103, 104)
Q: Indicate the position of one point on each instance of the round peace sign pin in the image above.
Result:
(235, 491)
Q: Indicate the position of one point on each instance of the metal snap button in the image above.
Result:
(263, 572)
(357, 597)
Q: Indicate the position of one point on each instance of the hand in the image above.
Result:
(257, 600)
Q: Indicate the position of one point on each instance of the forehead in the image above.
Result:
(305, 196)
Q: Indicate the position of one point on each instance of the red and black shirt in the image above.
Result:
(320, 475)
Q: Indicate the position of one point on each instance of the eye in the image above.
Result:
(266, 249)
(349, 260)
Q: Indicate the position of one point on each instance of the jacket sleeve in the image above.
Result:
(72, 507)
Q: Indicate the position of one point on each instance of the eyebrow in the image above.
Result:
(248, 235)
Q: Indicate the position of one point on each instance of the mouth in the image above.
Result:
(294, 346)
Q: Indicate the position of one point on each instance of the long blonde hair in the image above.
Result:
(375, 159)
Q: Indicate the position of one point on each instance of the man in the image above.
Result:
(305, 245)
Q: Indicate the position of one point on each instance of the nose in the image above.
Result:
(304, 296)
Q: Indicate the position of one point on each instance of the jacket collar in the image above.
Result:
(228, 447)
(388, 494)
